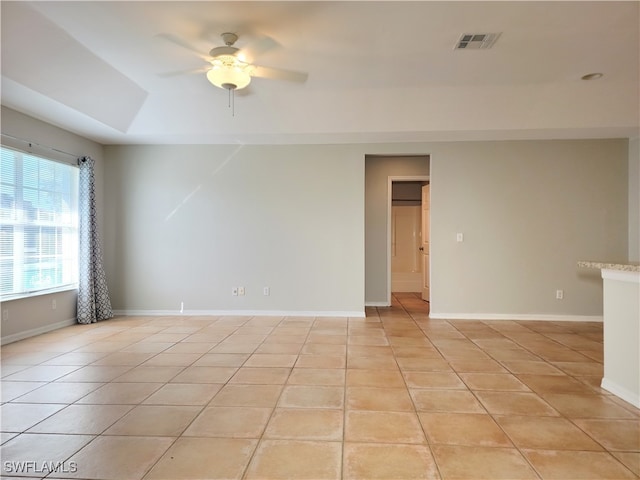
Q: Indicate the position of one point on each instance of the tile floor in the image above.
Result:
(394, 396)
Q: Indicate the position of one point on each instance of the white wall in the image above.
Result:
(634, 200)
(31, 315)
(188, 223)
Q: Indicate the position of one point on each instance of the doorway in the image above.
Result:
(408, 237)
(379, 171)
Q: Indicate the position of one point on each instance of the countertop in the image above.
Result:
(623, 267)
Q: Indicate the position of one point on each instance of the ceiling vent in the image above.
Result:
(476, 41)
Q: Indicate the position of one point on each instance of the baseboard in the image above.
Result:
(241, 313)
(377, 304)
(36, 331)
(625, 394)
(515, 316)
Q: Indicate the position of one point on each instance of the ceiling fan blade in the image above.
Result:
(182, 43)
(258, 47)
(279, 74)
(189, 71)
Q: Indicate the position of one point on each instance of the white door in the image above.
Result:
(406, 239)
(424, 246)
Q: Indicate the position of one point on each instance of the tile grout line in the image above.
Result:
(560, 414)
(385, 322)
(245, 470)
(415, 409)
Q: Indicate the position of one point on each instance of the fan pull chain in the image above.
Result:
(232, 101)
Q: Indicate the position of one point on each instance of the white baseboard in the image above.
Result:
(241, 313)
(377, 304)
(625, 394)
(36, 331)
(515, 316)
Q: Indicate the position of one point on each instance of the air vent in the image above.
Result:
(476, 41)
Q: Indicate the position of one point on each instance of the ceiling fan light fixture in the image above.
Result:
(230, 75)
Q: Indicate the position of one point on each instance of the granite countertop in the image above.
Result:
(623, 267)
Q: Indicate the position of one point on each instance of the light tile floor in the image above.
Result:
(394, 396)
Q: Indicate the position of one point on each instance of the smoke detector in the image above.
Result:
(476, 41)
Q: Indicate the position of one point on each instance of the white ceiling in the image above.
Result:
(378, 71)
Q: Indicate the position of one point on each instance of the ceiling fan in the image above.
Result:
(231, 68)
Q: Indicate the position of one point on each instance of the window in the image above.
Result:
(38, 224)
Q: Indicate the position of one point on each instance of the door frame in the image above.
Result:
(390, 180)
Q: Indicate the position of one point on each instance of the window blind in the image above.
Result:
(38, 224)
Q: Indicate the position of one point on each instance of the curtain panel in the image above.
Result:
(93, 295)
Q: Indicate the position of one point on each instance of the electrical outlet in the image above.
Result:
(459, 237)
(266, 291)
(5, 315)
(54, 304)
(559, 294)
(234, 291)
(240, 290)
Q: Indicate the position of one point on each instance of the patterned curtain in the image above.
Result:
(93, 295)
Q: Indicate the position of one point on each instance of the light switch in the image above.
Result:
(459, 237)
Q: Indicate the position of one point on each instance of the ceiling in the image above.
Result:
(377, 71)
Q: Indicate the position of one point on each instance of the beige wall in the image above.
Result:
(528, 211)
(189, 223)
(31, 315)
(186, 223)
